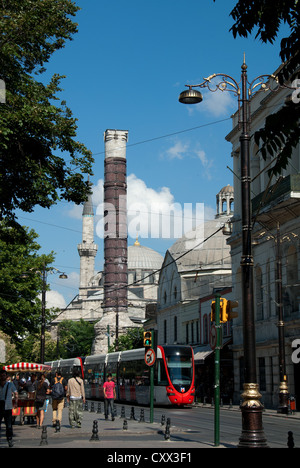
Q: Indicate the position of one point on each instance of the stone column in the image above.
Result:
(115, 313)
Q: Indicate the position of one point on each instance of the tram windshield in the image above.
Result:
(180, 367)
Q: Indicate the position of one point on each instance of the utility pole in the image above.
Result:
(283, 387)
(217, 372)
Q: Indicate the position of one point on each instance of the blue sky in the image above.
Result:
(124, 70)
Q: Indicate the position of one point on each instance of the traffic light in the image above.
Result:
(231, 314)
(213, 311)
(223, 310)
(223, 303)
(226, 310)
(147, 339)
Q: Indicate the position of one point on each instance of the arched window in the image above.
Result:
(291, 291)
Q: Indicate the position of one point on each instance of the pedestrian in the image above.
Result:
(76, 398)
(7, 390)
(42, 390)
(109, 389)
(59, 387)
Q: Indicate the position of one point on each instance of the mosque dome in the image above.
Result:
(143, 258)
(190, 252)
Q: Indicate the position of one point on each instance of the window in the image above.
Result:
(165, 297)
(175, 329)
(165, 331)
(262, 374)
(242, 372)
(187, 333)
(259, 294)
(292, 289)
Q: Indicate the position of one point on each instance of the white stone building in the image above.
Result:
(194, 268)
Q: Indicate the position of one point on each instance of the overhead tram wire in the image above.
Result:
(162, 268)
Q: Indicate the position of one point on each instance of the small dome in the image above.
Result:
(144, 258)
(227, 189)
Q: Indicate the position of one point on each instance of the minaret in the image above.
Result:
(87, 249)
(115, 313)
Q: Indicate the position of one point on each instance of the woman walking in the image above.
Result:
(42, 390)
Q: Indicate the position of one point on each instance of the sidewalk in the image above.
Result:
(273, 412)
(107, 434)
(113, 435)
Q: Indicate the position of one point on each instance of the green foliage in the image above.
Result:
(20, 308)
(40, 159)
(133, 339)
(281, 133)
(31, 348)
(75, 338)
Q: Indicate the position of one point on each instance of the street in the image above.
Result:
(198, 423)
(190, 429)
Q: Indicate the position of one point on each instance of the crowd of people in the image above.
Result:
(38, 388)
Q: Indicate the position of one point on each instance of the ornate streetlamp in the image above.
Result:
(252, 428)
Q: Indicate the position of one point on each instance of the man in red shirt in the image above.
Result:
(109, 389)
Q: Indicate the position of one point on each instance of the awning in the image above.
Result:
(27, 366)
(201, 353)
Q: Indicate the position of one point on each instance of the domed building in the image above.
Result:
(143, 266)
(194, 268)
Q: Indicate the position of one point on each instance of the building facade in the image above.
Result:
(194, 268)
(275, 239)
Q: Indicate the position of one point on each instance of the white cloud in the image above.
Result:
(178, 150)
(72, 281)
(76, 210)
(152, 213)
(181, 149)
(218, 103)
(55, 299)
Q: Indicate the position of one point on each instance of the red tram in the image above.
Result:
(173, 377)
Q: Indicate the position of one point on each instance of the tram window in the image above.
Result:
(180, 370)
(162, 378)
(134, 373)
(94, 374)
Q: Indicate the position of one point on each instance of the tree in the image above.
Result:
(75, 338)
(281, 133)
(133, 339)
(40, 160)
(20, 282)
(31, 348)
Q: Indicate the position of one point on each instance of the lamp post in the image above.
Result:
(283, 386)
(252, 429)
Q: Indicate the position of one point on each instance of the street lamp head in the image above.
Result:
(63, 276)
(190, 96)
